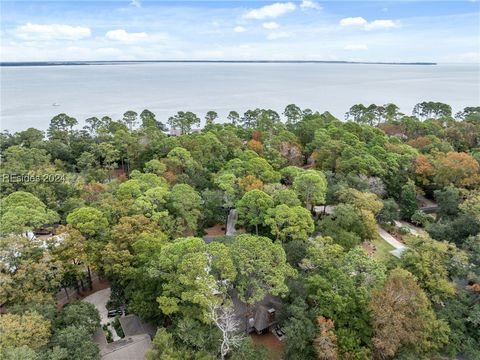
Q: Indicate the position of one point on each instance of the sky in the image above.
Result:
(397, 31)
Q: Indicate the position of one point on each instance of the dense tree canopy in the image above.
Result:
(310, 199)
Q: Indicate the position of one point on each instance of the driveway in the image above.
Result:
(99, 299)
(389, 238)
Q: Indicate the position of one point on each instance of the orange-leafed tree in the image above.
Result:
(255, 145)
(325, 343)
(250, 182)
(457, 168)
(424, 170)
(402, 316)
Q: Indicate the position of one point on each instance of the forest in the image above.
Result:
(144, 205)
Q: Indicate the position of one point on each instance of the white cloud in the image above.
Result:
(270, 11)
(355, 47)
(277, 35)
(381, 24)
(31, 31)
(239, 29)
(353, 21)
(309, 4)
(272, 25)
(123, 36)
(136, 3)
(374, 25)
(208, 54)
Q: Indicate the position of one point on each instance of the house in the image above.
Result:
(262, 318)
(132, 325)
(137, 340)
(129, 348)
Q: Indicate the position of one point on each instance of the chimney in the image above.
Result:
(271, 315)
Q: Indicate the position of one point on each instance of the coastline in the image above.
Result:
(123, 62)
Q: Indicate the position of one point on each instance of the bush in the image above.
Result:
(404, 230)
(421, 219)
(108, 333)
(118, 327)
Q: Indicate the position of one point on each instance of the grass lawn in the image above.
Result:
(383, 249)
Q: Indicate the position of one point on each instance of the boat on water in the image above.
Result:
(55, 104)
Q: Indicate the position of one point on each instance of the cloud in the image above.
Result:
(277, 35)
(208, 54)
(270, 11)
(309, 4)
(355, 47)
(239, 29)
(272, 25)
(353, 21)
(31, 31)
(123, 36)
(136, 3)
(381, 24)
(374, 25)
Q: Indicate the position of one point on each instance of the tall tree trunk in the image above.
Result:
(90, 278)
(256, 229)
(66, 292)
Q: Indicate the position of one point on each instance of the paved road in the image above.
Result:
(389, 238)
(99, 299)
(328, 209)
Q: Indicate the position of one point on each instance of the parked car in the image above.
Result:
(114, 312)
(279, 331)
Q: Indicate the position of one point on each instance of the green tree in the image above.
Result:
(80, 314)
(194, 276)
(434, 264)
(261, 268)
(408, 201)
(184, 121)
(22, 212)
(290, 223)
(130, 119)
(89, 221)
(448, 201)
(150, 122)
(19, 353)
(210, 117)
(249, 350)
(77, 341)
(154, 166)
(293, 114)
(389, 212)
(300, 331)
(183, 202)
(285, 197)
(311, 187)
(30, 330)
(60, 125)
(233, 117)
(253, 206)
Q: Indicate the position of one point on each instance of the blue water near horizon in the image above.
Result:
(29, 92)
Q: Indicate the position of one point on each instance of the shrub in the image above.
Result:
(421, 219)
(118, 327)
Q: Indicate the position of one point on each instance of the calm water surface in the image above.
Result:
(28, 93)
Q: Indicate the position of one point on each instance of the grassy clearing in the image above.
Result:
(383, 249)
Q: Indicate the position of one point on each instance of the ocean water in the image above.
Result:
(29, 92)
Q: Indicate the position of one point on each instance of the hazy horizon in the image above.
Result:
(97, 90)
(374, 31)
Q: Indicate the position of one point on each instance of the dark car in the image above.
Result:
(279, 331)
(114, 312)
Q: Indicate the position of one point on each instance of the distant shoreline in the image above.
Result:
(123, 62)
